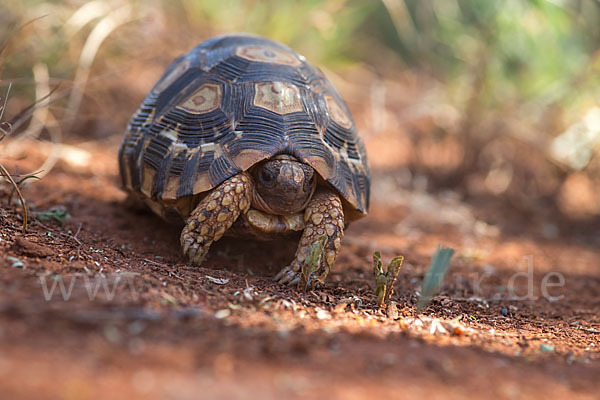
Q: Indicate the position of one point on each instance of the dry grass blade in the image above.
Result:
(20, 182)
(5, 44)
(40, 114)
(85, 14)
(24, 114)
(95, 39)
(55, 133)
(5, 127)
(3, 107)
(10, 179)
(5, 131)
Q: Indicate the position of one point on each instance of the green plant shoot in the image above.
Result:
(313, 262)
(384, 281)
(57, 215)
(435, 275)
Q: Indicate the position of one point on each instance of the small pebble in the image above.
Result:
(504, 312)
(222, 314)
(546, 348)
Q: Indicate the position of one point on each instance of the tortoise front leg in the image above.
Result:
(324, 216)
(214, 215)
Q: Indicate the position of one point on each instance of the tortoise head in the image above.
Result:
(283, 185)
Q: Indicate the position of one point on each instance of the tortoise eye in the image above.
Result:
(308, 183)
(266, 177)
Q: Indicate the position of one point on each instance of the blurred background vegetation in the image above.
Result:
(498, 101)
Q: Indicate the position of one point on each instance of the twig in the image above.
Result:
(40, 114)
(60, 233)
(3, 108)
(23, 115)
(19, 183)
(5, 44)
(154, 262)
(4, 172)
(78, 230)
(55, 140)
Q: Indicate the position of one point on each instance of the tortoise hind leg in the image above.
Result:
(214, 215)
(324, 216)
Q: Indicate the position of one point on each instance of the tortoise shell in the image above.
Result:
(228, 104)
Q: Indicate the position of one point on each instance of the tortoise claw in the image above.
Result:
(192, 254)
(187, 245)
(294, 282)
(280, 274)
(286, 275)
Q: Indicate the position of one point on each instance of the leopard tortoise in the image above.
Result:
(242, 136)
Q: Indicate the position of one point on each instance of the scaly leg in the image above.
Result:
(324, 216)
(214, 215)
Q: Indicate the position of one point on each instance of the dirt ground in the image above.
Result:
(134, 321)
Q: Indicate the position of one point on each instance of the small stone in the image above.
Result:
(200, 218)
(322, 314)
(239, 188)
(504, 311)
(392, 310)
(546, 348)
(211, 205)
(223, 313)
(341, 306)
(204, 230)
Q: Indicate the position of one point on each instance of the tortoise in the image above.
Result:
(242, 136)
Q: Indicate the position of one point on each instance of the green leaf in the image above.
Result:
(218, 281)
(377, 263)
(313, 263)
(384, 281)
(434, 277)
(54, 214)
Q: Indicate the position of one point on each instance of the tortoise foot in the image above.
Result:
(214, 215)
(319, 244)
